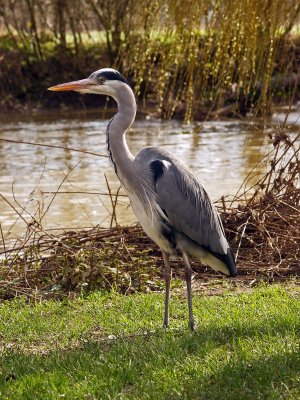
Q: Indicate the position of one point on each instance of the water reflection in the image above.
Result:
(220, 153)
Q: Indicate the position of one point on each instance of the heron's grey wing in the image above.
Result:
(187, 205)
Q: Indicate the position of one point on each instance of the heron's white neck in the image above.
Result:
(117, 148)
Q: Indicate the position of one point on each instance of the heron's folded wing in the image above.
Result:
(188, 206)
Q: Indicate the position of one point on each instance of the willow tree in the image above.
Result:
(198, 50)
(181, 53)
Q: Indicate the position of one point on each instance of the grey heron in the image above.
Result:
(170, 203)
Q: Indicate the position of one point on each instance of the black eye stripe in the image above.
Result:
(109, 75)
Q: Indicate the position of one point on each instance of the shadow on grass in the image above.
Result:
(259, 361)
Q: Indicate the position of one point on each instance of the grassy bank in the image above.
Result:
(24, 79)
(111, 346)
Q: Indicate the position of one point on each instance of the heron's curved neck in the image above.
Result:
(117, 148)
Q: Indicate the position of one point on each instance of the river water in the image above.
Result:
(220, 153)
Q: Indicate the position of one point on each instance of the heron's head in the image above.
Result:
(105, 81)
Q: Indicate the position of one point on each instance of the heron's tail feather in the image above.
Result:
(230, 262)
(215, 263)
(219, 262)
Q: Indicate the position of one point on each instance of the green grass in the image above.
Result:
(109, 346)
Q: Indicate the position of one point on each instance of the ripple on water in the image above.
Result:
(220, 153)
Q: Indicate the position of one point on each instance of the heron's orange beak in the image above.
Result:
(75, 85)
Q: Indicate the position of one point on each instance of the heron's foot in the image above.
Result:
(166, 324)
(192, 325)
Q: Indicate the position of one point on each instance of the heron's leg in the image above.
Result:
(188, 278)
(168, 276)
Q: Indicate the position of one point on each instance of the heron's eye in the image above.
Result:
(101, 80)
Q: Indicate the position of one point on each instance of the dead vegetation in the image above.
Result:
(261, 223)
(264, 229)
